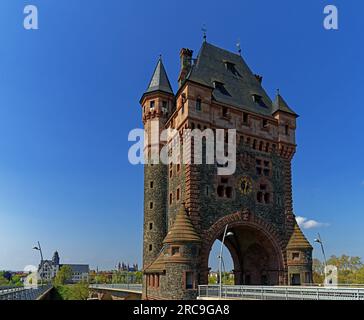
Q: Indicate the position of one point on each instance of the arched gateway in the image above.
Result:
(187, 206)
(256, 248)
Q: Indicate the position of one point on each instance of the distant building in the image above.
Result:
(48, 270)
(126, 267)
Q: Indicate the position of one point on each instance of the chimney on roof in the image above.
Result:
(186, 64)
(259, 78)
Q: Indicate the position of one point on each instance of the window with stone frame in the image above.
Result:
(295, 256)
(264, 194)
(178, 196)
(286, 129)
(152, 105)
(263, 167)
(245, 118)
(175, 251)
(165, 106)
(224, 188)
(189, 280)
(171, 198)
(225, 112)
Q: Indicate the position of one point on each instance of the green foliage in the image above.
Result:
(7, 279)
(63, 275)
(350, 270)
(79, 291)
(227, 279)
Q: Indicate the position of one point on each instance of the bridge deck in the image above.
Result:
(279, 293)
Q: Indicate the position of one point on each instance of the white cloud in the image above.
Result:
(305, 223)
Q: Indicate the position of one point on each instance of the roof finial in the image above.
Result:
(238, 45)
(278, 92)
(204, 30)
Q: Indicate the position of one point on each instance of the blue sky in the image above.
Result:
(69, 96)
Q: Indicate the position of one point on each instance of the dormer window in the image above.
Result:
(231, 67)
(221, 88)
(258, 100)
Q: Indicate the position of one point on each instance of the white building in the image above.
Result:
(48, 270)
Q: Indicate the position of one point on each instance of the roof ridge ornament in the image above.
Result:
(238, 45)
(204, 31)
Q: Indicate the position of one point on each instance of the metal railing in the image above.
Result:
(21, 293)
(280, 293)
(118, 287)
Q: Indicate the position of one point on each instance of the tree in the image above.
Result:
(79, 291)
(63, 275)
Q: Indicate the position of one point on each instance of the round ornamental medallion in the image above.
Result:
(246, 185)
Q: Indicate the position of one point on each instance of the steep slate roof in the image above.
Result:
(211, 66)
(160, 81)
(280, 105)
(182, 229)
(298, 240)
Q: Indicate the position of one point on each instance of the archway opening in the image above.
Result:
(227, 265)
(252, 256)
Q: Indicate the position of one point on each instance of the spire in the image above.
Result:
(280, 105)
(182, 229)
(160, 81)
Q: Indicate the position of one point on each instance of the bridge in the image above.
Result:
(22, 293)
(212, 292)
(115, 291)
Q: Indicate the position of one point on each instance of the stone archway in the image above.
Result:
(256, 248)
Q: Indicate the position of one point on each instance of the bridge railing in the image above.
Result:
(280, 293)
(21, 293)
(129, 287)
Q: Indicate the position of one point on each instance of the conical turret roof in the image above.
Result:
(298, 240)
(160, 81)
(158, 265)
(280, 104)
(182, 229)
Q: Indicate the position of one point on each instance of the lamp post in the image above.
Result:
(226, 234)
(39, 248)
(319, 241)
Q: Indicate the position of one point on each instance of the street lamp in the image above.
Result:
(226, 234)
(319, 241)
(39, 248)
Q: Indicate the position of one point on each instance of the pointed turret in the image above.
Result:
(182, 229)
(298, 240)
(280, 104)
(159, 81)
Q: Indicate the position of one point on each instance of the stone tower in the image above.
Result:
(188, 206)
(157, 104)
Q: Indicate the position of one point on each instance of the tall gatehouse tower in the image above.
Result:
(188, 206)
